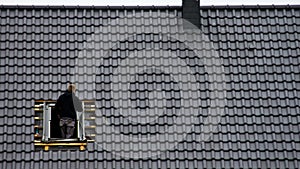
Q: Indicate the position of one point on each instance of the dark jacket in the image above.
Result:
(67, 105)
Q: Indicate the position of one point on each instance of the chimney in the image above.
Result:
(191, 12)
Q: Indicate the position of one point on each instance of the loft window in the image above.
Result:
(47, 130)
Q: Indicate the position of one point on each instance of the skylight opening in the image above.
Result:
(47, 131)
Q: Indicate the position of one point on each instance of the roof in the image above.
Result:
(259, 49)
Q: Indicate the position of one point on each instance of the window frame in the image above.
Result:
(42, 125)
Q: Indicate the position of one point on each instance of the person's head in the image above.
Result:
(71, 88)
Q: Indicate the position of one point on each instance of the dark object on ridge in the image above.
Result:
(191, 13)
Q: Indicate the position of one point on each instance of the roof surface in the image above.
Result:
(259, 48)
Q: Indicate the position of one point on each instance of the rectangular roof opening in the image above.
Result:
(47, 131)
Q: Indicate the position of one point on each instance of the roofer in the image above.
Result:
(66, 107)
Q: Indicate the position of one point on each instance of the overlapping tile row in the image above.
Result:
(260, 51)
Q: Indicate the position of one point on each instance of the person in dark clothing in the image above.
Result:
(66, 107)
